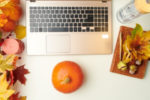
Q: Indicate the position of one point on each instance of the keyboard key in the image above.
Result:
(62, 24)
(49, 24)
(34, 11)
(66, 24)
(31, 29)
(32, 16)
(36, 29)
(67, 16)
(69, 11)
(82, 11)
(76, 16)
(57, 29)
(73, 20)
(41, 16)
(89, 11)
(60, 20)
(64, 20)
(72, 16)
(50, 16)
(68, 20)
(97, 29)
(71, 29)
(40, 29)
(75, 29)
(75, 24)
(44, 29)
(87, 24)
(79, 29)
(77, 20)
(58, 24)
(55, 20)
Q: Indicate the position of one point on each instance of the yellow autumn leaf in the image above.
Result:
(6, 63)
(3, 2)
(5, 93)
(20, 32)
(23, 98)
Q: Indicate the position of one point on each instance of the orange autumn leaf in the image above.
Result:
(12, 10)
(9, 26)
(3, 20)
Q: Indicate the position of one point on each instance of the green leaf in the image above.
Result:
(138, 30)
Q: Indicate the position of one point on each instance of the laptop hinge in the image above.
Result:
(32, 0)
(104, 1)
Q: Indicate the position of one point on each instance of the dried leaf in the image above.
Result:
(3, 3)
(5, 93)
(20, 32)
(19, 74)
(6, 63)
(16, 97)
(138, 30)
(23, 98)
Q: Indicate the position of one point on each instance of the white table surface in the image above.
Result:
(99, 83)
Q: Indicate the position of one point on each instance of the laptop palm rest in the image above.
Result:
(58, 44)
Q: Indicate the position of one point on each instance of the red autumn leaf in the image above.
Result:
(15, 97)
(19, 74)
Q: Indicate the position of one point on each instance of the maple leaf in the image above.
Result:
(16, 97)
(5, 93)
(6, 63)
(19, 74)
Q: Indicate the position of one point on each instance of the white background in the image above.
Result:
(99, 83)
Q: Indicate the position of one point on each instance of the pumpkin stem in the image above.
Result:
(66, 80)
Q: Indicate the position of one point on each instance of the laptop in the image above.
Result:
(63, 27)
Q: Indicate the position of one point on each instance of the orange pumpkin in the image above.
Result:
(67, 77)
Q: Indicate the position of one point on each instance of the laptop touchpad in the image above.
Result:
(58, 43)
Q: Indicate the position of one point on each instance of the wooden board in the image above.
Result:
(116, 58)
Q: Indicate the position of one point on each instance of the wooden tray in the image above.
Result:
(116, 58)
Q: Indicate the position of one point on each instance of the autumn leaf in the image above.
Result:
(19, 74)
(3, 20)
(5, 93)
(23, 98)
(4, 2)
(138, 30)
(6, 63)
(16, 97)
(20, 32)
(137, 45)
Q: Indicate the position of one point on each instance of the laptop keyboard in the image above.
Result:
(68, 19)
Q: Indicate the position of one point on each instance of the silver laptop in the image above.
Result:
(61, 27)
